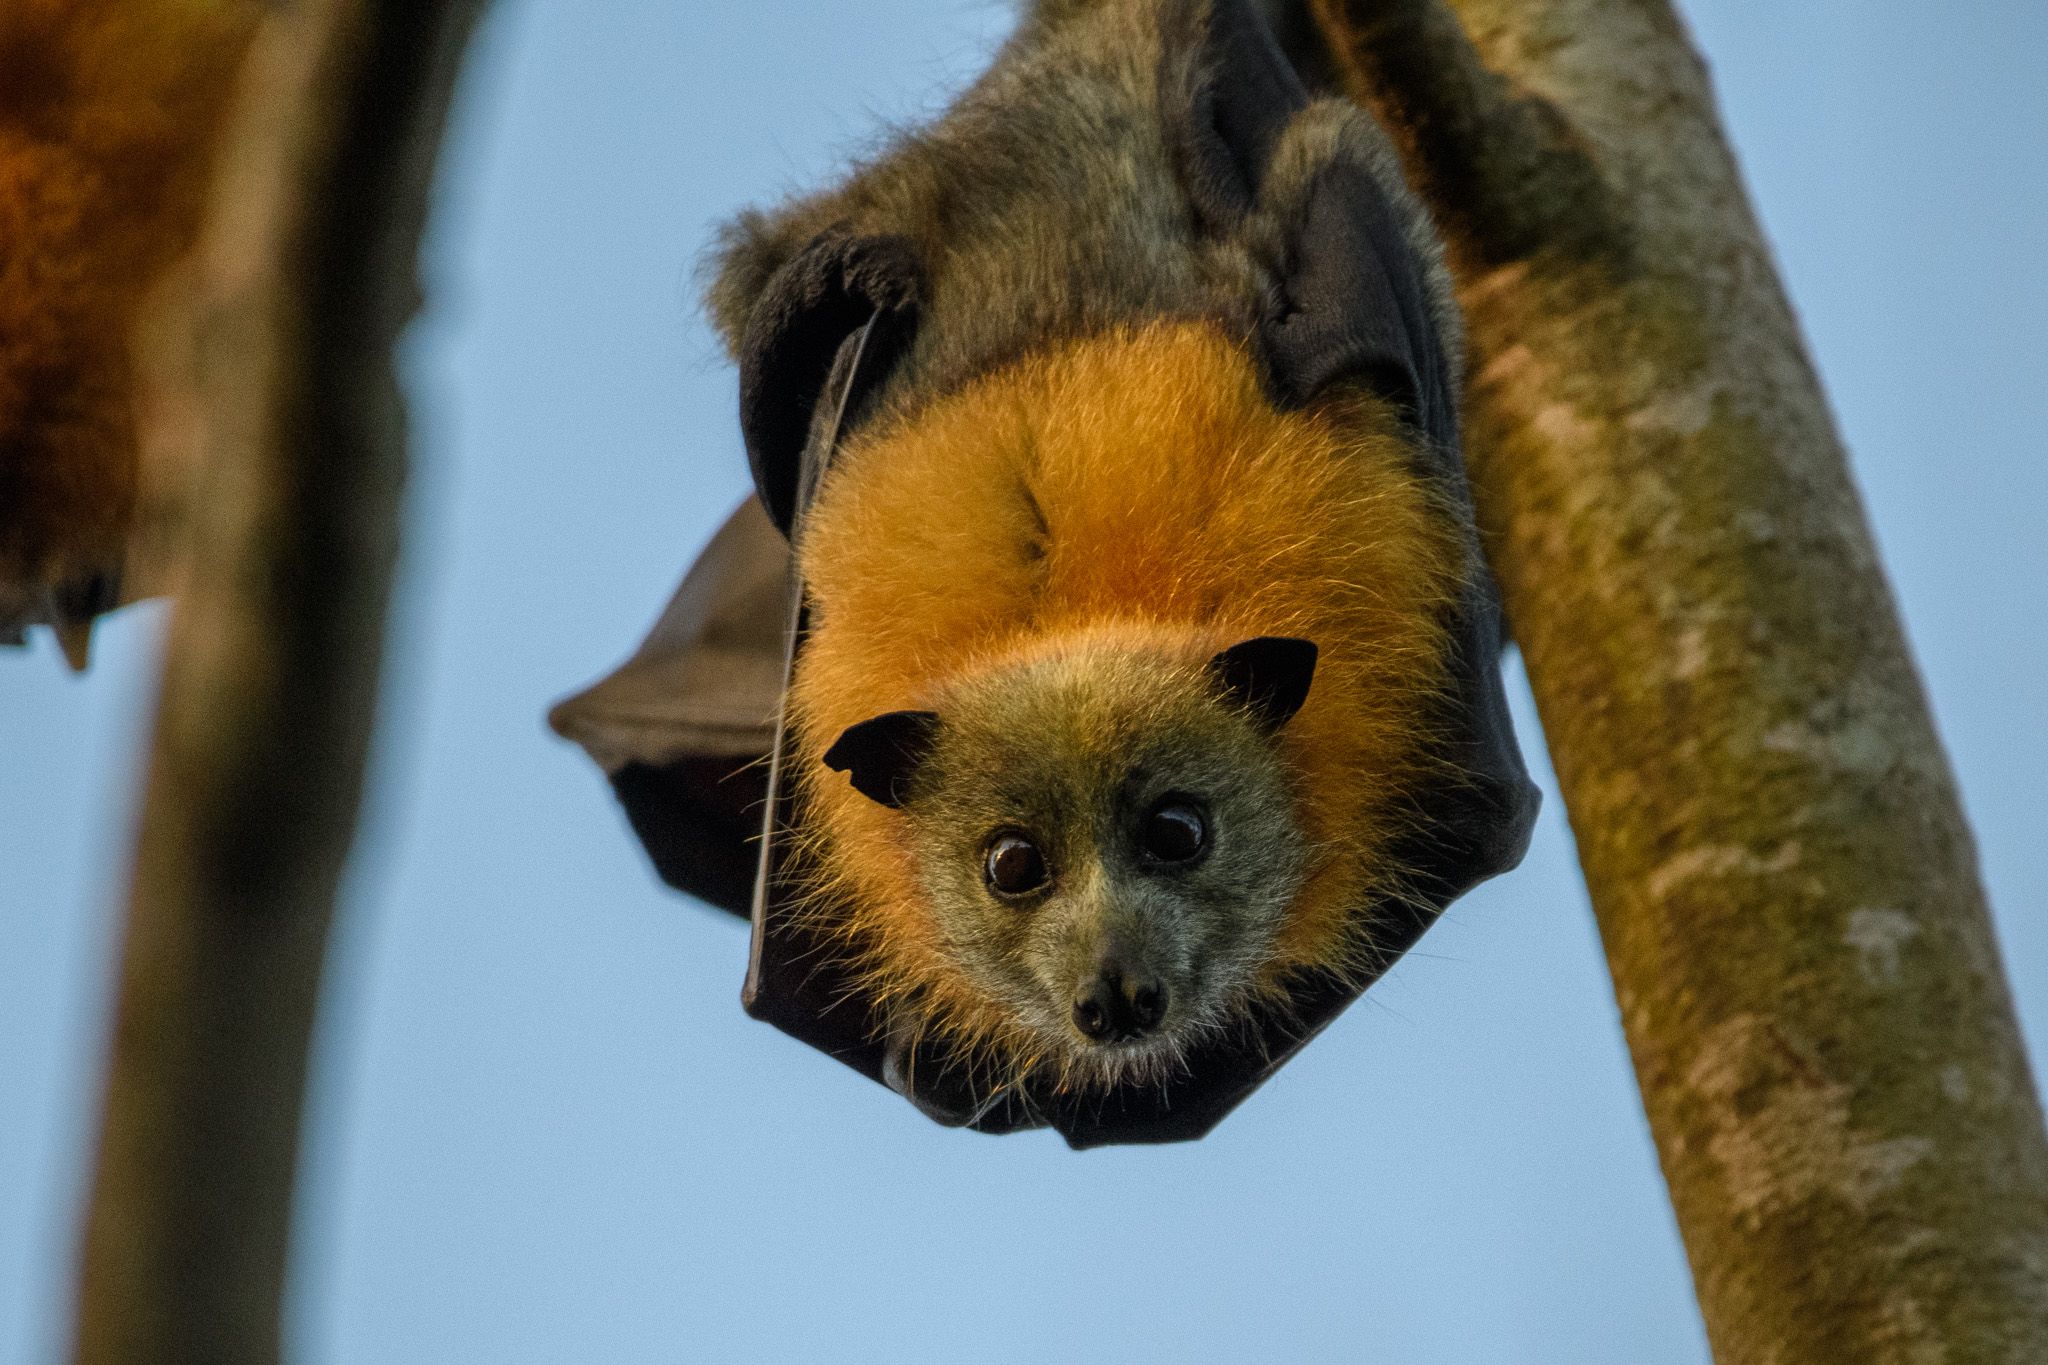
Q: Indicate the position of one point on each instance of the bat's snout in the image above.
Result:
(1119, 1005)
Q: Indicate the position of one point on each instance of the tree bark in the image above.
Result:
(306, 278)
(1770, 833)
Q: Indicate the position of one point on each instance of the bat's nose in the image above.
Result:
(1119, 1005)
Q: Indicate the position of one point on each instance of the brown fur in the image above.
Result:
(1139, 489)
(108, 113)
(1046, 205)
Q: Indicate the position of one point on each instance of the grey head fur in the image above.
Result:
(1075, 753)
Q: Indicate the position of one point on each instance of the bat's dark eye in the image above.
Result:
(1175, 831)
(1014, 866)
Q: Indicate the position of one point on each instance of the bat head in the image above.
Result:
(1106, 837)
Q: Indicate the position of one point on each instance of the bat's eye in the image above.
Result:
(1175, 831)
(1014, 866)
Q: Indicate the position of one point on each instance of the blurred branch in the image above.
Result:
(307, 277)
(1785, 885)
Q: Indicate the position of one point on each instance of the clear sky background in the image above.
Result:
(541, 1128)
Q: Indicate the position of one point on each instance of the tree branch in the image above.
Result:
(1785, 886)
(307, 278)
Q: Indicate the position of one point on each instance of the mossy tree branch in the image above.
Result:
(1785, 886)
(306, 278)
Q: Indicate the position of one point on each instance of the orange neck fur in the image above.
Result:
(1137, 487)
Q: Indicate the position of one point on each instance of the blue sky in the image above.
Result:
(541, 1128)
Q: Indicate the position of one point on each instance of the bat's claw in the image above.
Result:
(75, 638)
(69, 610)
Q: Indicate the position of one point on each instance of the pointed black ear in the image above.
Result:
(883, 754)
(1268, 676)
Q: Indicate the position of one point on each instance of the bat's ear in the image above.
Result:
(794, 350)
(1268, 676)
(882, 755)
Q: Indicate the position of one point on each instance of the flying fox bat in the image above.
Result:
(109, 114)
(1102, 689)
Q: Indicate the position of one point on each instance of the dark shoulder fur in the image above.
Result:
(1051, 200)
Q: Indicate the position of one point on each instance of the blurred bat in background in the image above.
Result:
(109, 110)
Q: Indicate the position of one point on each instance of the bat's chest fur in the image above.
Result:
(1044, 560)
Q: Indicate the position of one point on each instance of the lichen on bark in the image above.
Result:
(1785, 887)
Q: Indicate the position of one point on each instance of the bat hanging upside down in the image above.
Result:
(1145, 703)
(109, 115)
